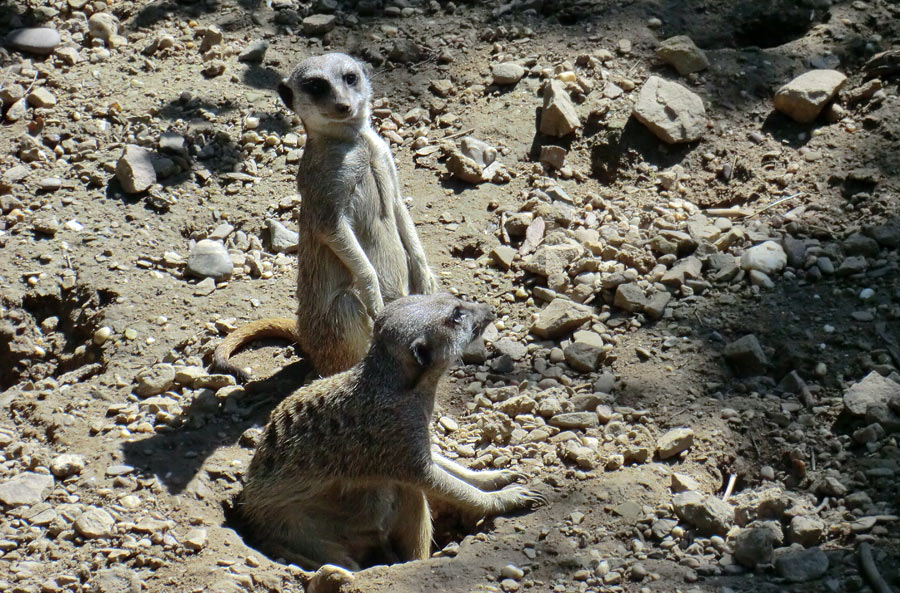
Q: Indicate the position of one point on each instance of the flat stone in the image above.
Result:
(746, 355)
(683, 482)
(558, 115)
(681, 53)
(872, 390)
(196, 538)
(507, 73)
(318, 24)
(673, 113)
(27, 488)
(560, 317)
(154, 380)
(115, 580)
(94, 523)
(579, 420)
(135, 170)
(804, 98)
(674, 442)
(35, 40)
(281, 238)
(686, 269)
(210, 259)
(41, 98)
(768, 257)
(173, 143)
(503, 255)
(799, 565)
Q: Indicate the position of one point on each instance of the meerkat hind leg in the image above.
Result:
(483, 480)
(412, 533)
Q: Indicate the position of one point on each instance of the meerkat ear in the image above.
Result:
(421, 352)
(367, 69)
(286, 94)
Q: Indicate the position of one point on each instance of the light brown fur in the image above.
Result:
(344, 469)
(358, 247)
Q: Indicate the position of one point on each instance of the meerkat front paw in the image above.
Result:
(519, 497)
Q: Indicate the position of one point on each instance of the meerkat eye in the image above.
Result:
(457, 316)
(315, 87)
(350, 78)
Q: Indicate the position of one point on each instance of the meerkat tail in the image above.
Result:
(261, 329)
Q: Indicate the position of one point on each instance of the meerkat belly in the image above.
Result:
(375, 226)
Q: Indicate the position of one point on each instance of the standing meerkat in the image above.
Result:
(344, 469)
(358, 246)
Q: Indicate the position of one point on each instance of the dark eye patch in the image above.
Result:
(315, 87)
(351, 78)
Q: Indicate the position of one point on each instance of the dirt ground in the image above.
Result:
(164, 473)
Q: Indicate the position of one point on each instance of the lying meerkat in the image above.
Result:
(358, 246)
(343, 470)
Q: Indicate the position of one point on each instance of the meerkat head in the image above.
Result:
(430, 331)
(330, 93)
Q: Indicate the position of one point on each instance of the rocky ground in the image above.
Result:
(684, 214)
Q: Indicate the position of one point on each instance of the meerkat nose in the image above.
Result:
(342, 108)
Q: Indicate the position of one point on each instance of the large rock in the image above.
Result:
(681, 53)
(210, 259)
(804, 98)
(710, 515)
(135, 170)
(768, 258)
(746, 355)
(26, 488)
(873, 390)
(558, 116)
(34, 40)
(799, 565)
(559, 318)
(672, 112)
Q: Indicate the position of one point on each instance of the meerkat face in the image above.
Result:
(431, 330)
(328, 92)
